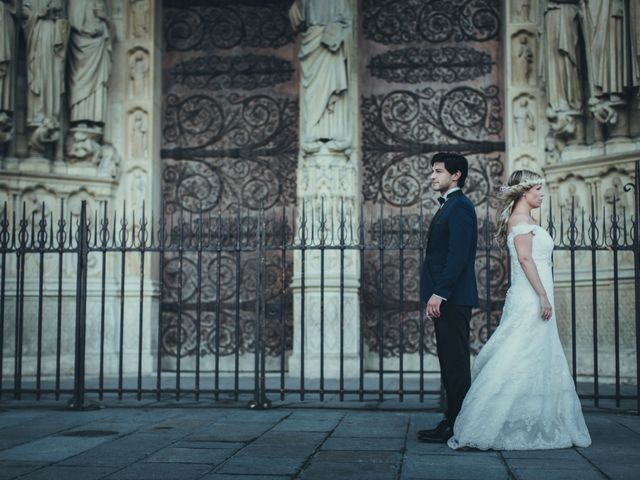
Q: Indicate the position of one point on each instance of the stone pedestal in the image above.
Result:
(326, 308)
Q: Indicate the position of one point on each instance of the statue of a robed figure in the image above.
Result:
(7, 67)
(89, 71)
(606, 18)
(561, 63)
(47, 32)
(326, 28)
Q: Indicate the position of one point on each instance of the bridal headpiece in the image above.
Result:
(525, 184)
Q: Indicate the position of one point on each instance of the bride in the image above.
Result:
(522, 396)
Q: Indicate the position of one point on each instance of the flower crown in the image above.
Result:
(524, 183)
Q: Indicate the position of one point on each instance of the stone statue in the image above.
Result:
(523, 64)
(616, 194)
(47, 33)
(138, 73)
(89, 61)
(522, 10)
(46, 132)
(139, 18)
(571, 200)
(561, 64)
(108, 162)
(139, 127)
(7, 65)
(89, 73)
(524, 122)
(326, 27)
(608, 64)
(634, 23)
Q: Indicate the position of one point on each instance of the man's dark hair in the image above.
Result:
(453, 162)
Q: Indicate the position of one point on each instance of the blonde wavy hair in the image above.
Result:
(518, 184)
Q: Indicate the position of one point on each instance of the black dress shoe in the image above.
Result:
(442, 437)
(434, 431)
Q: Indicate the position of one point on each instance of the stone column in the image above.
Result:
(137, 130)
(327, 309)
(525, 105)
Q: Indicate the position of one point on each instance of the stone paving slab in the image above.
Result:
(69, 473)
(9, 470)
(168, 471)
(230, 432)
(255, 465)
(121, 452)
(348, 471)
(50, 449)
(368, 457)
(363, 443)
(191, 455)
(548, 474)
(453, 468)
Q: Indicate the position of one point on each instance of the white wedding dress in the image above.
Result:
(522, 396)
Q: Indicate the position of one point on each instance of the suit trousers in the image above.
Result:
(452, 337)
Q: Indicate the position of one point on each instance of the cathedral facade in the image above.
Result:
(230, 109)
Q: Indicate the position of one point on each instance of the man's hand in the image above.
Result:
(433, 307)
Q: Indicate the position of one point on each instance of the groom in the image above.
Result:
(448, 283)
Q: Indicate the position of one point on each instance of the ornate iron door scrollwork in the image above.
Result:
(229, 147)
(433, 83)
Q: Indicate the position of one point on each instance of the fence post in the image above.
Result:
(636, 251)
(78, 400)
(260, 399)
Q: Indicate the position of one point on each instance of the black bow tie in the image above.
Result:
(441, 200)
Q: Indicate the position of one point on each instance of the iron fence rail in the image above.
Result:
(42, 253)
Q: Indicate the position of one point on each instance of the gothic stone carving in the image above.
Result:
(326, 27)
(523, 59)
(139, 73)
(47, 32)
(139, 133)
(139, 18)
(7, 66)
(524, 120)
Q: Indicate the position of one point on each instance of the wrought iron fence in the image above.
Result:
(96, 304)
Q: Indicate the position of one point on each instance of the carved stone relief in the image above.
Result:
(634, 33)
(562, 27)
(47, 38)
(527, 162)
(138, 133)
(588, 56)
(524, 120)
(109, 162)
(324, 70)
(7, 66)
(613, 191)
(523, 59)
(139, 18)
(137, 191)
(139, 73)
(522, 11)
(572, 191)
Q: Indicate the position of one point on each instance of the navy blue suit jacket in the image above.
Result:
(448, 268)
